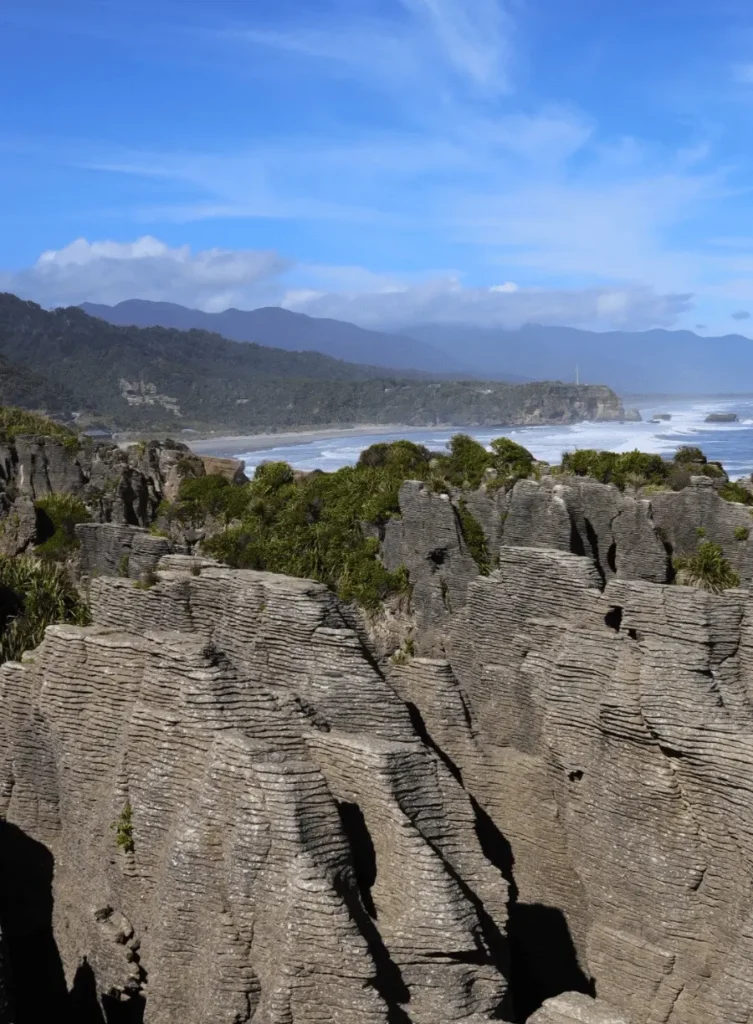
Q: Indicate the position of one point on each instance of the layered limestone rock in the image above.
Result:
(626, 536)
(123, 486)
(246, 820)
(608, 737)
(230, 808)
(116, 549)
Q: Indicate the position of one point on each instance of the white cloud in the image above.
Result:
(213, 279)
(110, 272)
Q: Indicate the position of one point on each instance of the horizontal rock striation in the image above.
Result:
(223, 802)
(623, 535)
(291, 848)
(608, 736)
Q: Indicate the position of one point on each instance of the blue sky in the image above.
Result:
(384, 161)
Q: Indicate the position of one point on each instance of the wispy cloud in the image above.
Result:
(432, 39)
(476, 38)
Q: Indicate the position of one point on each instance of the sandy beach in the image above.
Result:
(239, 444)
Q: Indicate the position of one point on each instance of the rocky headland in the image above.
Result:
(516, 787)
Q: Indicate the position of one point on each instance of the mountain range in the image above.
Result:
(281, 328)
(156, 378)
(629, 361)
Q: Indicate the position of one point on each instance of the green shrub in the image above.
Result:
(57, 517)
(713, 470)
(688, 454)
(741, 532)
(707, 569)
(204, 497)
(123, 829)
(700, 531)
(123, 565)
(733, 491)
(34, 594)
(467, 462)
(640, 469)
(474, 537)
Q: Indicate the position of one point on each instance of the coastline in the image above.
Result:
(240, 443)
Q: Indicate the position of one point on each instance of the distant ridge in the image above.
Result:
(631, 362)
(281, 328)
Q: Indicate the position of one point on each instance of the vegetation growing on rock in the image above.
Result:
(642, 470)
(733, 491)
(34, 594)
(707, 569)
(57, 518)
(474, 537)
(123, 829)
(15, 421)
(326, 526)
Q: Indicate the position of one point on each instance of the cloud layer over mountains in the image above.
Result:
(215, 279)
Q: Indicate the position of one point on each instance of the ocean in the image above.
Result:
(729, 443)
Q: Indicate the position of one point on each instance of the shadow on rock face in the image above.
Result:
(543, 957)
(36, 978)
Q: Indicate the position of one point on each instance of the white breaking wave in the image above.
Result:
(730, 443)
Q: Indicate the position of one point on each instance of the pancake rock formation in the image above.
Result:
(232, 798)
(245, 821)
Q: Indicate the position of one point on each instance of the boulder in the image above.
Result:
(231, 469)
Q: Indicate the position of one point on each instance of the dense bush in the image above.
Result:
(57, 518)
(206, 497)
(707, 569)
(33, 595)
(623, 469)
(689, 454)
(639, 469)
(325, 526)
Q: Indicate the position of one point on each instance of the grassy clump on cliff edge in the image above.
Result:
(57, 518)
(325, 526)
(34, 594)
(20, 421)
(707, 569)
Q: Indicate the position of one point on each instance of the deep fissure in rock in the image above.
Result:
(364, 854)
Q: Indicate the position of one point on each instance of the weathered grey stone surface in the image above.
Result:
(575, 1008)
(231, 469)
(118, 485)
(586, 517)
(428, 540)
(553, 797)
(608, 736)
(115, 549)
(300, 853)
(679, 515)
